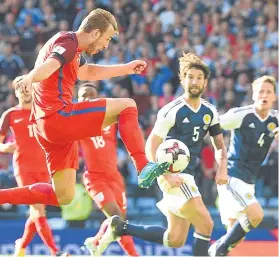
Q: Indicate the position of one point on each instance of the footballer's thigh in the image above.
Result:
(248, 204)
(198, 215)
(119, 190)
(102, 193)
(178, 229)
(114, 107)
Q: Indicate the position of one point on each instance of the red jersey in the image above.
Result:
(53, 93)
(100, 153)
(28, 155)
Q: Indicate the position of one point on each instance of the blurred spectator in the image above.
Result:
(10, 64)
(8, 31)
(90, 5)
(34, 13)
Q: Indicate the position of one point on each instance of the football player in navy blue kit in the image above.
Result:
(188, 119)
(253, 129)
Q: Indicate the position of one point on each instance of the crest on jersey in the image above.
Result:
(271, 126)
(206, 119)
(193, 189)
(249, 196)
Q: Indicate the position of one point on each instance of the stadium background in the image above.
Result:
(238, 39)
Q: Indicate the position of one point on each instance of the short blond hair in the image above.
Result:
(98, 19)
(263, 79)
(189, 61)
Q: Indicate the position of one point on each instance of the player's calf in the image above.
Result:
(254, 215)
(197, 214)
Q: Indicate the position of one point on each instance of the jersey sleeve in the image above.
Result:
(215, 128)
(164, 123)
(4, 123)
(64, 51)
(231, 119)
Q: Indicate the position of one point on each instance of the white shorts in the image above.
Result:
(234, 198)
(174, 198)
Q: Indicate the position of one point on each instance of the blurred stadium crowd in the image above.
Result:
(238, 39)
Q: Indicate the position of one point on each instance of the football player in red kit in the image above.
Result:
(29, 168)
(102, 179)
(59, 123)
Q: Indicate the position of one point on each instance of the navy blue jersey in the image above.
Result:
(250, 140)
(178, 120)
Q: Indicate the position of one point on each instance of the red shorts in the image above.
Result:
(26, 179)
(58, 134)
(106, 189)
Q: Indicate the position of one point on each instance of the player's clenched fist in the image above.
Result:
(136, 67)
(23, 84)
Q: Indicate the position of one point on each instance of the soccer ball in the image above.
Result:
(175, 152)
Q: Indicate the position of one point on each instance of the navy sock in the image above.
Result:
(234, 235)
(239, 229)
(145, 232)
(200, 245)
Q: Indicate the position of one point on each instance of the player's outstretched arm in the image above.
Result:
(221, 159)
(98, 72)
(39, 73)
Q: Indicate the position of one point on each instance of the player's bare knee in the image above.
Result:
(209, 226)
(256, 218)
(175, 240)
(205, 227)
(65, 199)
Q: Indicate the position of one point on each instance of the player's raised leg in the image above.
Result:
(125, 112)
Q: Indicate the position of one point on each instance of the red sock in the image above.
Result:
(45, 233)
(132, 136)
(128, 245)
(38, 193)
(28, 234)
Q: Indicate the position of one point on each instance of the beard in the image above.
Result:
(195, 92)
(91, 49)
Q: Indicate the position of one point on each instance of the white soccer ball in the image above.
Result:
(175, 152)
